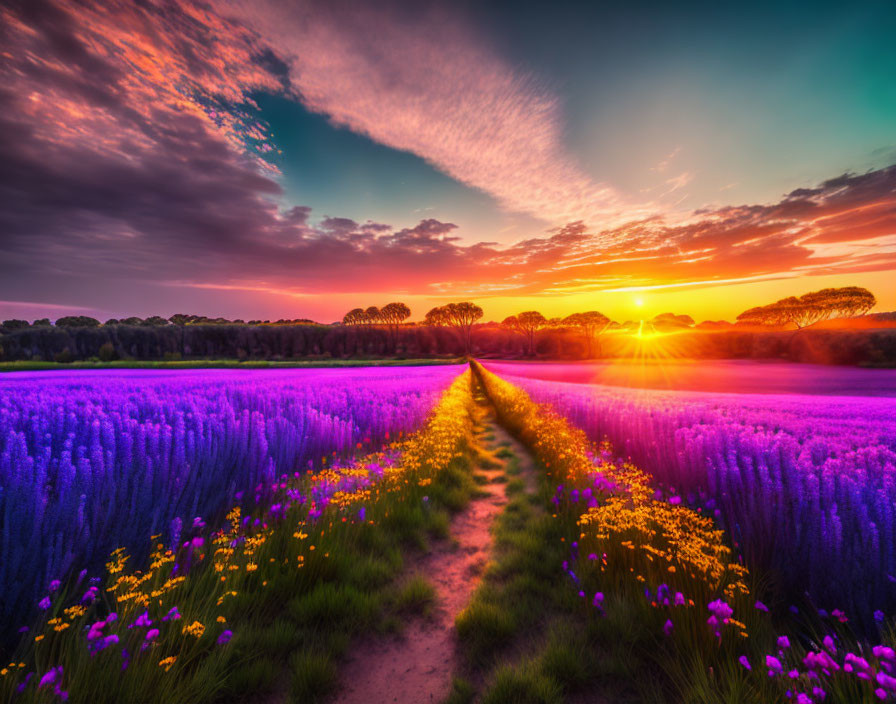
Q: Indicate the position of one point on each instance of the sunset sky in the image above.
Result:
(296, 159)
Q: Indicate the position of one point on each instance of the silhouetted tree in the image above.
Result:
(591, 324)
(372, 315)
(393, 315)
(811, 308)
(42, 323)
(354, 317)
(77, 321)
(16, 324)
(462, 316)
(527, 324)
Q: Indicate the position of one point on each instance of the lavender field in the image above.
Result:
(93, 461)
(806, 488)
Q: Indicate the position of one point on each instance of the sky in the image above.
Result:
(286, 158)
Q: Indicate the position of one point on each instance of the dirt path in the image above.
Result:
(418, 665)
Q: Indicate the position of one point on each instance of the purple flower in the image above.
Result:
(54, 585)
(225, 637)
(53, 676)
(803, 698)
(675, 500)
(668, 627)
(24, 683)
(828, 643)
(783, 643)
(774, 665)
(743, 661)
(679, 599)
(44, 603)
(143, 621)
(880, 693)
(819, 693)
(884, 680)
(152, 634)
(172, 615)
(883, 652)
(720, 609)
(878, 615)
(760, 606)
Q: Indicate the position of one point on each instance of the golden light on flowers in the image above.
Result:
(168, 662)
(195, 629)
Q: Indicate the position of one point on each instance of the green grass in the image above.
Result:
(313, 676)
(415, 597)
(27, 366)
(526, 635)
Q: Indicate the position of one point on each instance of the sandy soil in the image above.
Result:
(418, 665)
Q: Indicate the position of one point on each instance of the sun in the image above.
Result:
(639, 302)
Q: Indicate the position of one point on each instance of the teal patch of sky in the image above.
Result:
(340, 173)
(759, 97)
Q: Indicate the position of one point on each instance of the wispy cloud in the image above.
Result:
(425, 83)
(132, 160)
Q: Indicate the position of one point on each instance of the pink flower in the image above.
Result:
(774, 665)
(883, 652)
(884, 680)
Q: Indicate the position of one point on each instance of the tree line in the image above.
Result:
(811, 308)
(451, 329)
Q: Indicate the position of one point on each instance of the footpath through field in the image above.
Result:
(418, 664)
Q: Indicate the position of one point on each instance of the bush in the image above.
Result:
(107, 352)
(63, 357)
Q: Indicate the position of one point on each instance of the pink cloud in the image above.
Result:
(425, 83)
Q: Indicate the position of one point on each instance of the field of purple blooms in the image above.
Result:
(91, 461)
(805, 485)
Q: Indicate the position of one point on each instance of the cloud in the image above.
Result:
(132, 163)
(425, 83)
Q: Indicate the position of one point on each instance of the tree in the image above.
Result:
(155, 321)
(436, 317)
(393, 315)
(179, 319)
(527, 324)
(591, 324)
(462, 316)
(77, 321)
(354, 317)
(42, 323)
(16, 324)
(811, 308)
(372, 315)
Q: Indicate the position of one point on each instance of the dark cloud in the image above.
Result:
(132, 160)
